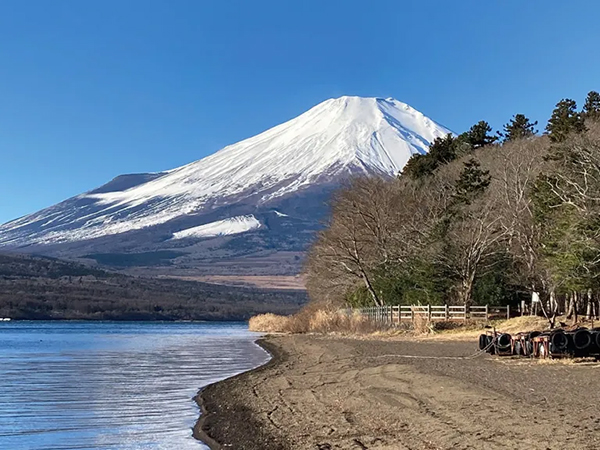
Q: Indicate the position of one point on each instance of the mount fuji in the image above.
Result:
(251, 207)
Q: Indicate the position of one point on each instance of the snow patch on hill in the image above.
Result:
(234, 225)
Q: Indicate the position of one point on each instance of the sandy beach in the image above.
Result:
(324, 393)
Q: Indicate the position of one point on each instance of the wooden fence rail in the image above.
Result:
(398, 314)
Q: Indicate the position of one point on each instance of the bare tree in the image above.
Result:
(376, 224)
(472, 237)
(574, 183)
(355, 242)
(515, 168)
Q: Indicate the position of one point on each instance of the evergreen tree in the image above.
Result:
(478, 136)
(443, 150)
(418, 166)
(519, 127)
(591, 109)
(565, 119)
(472, 181)
(462, 144)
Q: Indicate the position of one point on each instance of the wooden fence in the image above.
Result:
(399, 314)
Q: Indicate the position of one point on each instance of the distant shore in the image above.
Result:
(339, 393)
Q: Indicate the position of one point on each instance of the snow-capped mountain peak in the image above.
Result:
(339, 136)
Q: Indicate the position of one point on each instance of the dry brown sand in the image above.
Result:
(337, 393)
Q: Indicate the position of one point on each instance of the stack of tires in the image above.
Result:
(581, 343)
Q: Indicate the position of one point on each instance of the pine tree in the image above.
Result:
(443, 150)
(418, 166)
(462, 144)
(472, 181)
(519, 127)
(591, 109)
(565, 119)
(478, 136)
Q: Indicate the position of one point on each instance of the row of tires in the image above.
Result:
(582, 342)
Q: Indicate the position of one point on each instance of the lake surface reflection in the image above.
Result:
(82, 385)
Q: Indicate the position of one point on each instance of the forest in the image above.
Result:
(482, 218)
(47, 288)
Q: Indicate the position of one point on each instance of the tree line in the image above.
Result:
(483, 217)
(51, 289)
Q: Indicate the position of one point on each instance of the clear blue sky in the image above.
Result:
(92, 89)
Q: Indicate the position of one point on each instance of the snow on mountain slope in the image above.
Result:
(337, 137)
(234, 225)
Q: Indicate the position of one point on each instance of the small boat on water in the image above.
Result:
(4, 319)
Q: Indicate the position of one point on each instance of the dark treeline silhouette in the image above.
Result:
(483, 217)
(47, 288)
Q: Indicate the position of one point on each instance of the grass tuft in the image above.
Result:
(315, 320)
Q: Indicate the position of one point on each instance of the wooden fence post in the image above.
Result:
(447, 312)
(466, 315)
(429, 313)
(507, 312)
(487, 316)
(522, 307)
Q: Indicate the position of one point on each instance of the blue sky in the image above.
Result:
(92, 89)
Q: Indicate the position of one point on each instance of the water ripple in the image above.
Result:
(75, 385)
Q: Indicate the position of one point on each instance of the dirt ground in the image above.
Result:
(335, 393)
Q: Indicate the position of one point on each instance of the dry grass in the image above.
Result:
(421, 325)
(458, 331)
(560, 361)
(322, 321)
(315, 320)
(566, 361)
(470, 330)
(523, 323)
(269, 323)
(329, 320)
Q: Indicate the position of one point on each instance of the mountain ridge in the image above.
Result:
(303, 158)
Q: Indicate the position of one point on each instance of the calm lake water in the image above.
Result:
(82, 385)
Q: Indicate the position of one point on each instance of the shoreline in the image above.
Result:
(198, 432)
(325, 393)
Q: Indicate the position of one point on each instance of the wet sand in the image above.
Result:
(335, 393)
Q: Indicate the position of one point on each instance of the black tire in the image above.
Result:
(482, 341)
(559, 341)
(503, 341)
(582, 339)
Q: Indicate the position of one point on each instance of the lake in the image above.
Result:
(111, 385)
